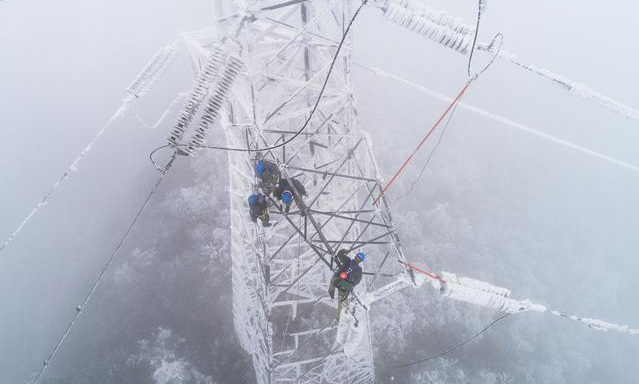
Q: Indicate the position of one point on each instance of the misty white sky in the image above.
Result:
(65, 65)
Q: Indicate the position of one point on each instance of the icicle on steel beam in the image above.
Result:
(158, 64)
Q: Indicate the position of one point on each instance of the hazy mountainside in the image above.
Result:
(552, 225)
(163, 315)
(496, 206)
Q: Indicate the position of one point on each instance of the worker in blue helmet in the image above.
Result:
(268, 174)
(287, 191)
(258, 209)
(347, 275)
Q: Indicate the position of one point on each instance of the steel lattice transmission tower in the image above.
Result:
(260, 72)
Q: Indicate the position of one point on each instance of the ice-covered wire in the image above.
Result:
(306, 122)
(70, 169)
(506, 121)
(571, 86)
(139, 87)
(99, 278)
(407, 17)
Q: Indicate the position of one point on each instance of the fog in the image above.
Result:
(551, 223)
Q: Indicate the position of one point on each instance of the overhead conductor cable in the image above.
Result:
(453, 33)
(140, 86)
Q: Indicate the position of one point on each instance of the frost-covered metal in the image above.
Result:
(216, 76)
(454, 33)
(143, 82)
(259, 74)
(435, 25)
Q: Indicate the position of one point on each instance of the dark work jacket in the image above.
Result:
(271, 172)
(258, 209)
(286, 184)
(350, 266)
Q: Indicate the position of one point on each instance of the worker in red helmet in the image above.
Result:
(347, 275)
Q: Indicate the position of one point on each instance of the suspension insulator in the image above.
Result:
(435, 16)
(481, 298)
(152, 72)
(215, 102)
(453, 35)
(203, 83)
(475, 284)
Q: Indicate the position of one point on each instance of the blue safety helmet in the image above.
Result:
(259, 168)
(360, 256)
(252, 199)
(287, 197)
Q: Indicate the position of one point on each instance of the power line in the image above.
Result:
(480, 8)
(103, 271)
(505, 120)
(70, 169)
(452, 104)
(449, 350)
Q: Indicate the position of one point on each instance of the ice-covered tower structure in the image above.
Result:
(260, 71)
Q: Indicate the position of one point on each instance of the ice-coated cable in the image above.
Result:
(99, 278)
(70, 169)
(506, 121)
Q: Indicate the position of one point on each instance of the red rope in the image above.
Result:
(430, 131)
(414, 268)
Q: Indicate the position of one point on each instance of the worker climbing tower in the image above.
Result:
(275, 76)
(263, 71)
